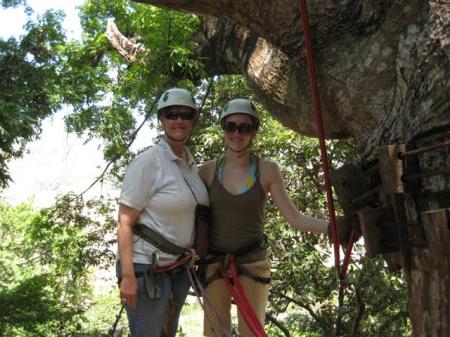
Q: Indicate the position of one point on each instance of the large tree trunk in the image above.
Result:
(428, 218)
(384, 76)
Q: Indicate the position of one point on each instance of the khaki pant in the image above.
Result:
(217, 294)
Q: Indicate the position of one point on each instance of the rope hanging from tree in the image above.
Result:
(342, 271)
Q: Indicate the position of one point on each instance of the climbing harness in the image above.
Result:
(230, 272)
(157, 240)
(236, 290)
(247, 251)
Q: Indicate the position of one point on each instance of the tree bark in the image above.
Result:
(381, 65)
(428, 215)
(429, 279)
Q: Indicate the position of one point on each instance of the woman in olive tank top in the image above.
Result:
(239, 183)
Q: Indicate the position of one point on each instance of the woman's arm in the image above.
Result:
(128, 286)
(276, 187)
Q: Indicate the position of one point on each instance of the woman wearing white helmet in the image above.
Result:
(160, 192)
(239, 183)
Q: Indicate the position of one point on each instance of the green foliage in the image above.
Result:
(42, 71)
(101, 314)
(45, 262)
(380, 296)
(12, 3)
(28, 87)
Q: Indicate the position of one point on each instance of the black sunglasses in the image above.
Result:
(185, 116)
(232, 127)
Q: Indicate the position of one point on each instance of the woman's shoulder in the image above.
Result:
(267, 165)
(144, 156)
(149, 156)
(206, 170)
(270, 173)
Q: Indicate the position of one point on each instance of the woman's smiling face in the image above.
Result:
(178, 122)
(238, 131)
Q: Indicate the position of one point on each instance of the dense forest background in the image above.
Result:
(49, 256)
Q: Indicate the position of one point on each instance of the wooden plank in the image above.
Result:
(379, 231)
(349, 182)
(436, 224)
(391, 168)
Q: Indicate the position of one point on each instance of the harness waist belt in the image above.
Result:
(157, 240)
(261, 243)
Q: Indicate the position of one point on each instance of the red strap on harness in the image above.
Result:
(236, 290)
(186, 259)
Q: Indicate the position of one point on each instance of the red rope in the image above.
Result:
(348, 251)
(236, 290)
(320, 129)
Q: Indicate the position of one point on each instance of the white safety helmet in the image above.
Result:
(240, 106)
(176, 96)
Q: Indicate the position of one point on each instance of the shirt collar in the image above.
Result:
(172, 156)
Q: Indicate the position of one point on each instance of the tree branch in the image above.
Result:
(126, 47)
(278, 324)
(359, 312)
(303, 305)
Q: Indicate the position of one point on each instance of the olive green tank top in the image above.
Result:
(237, 219)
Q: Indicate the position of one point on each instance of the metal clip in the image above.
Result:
(155, 260)
(154, 281)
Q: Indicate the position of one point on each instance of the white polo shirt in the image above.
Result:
(154, 185)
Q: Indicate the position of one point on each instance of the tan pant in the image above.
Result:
(217, 294)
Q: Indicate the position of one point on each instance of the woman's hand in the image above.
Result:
(128, 291)
(128, 285)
